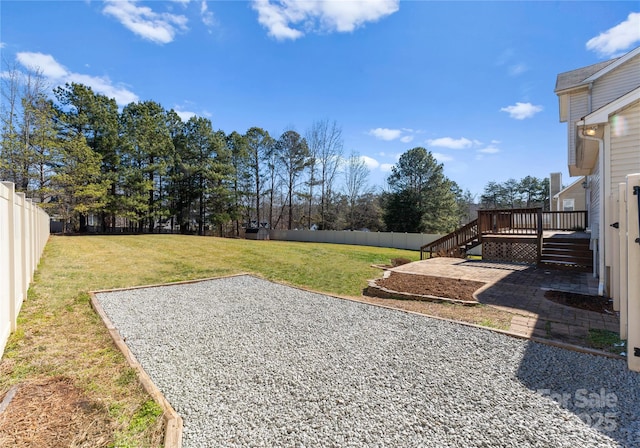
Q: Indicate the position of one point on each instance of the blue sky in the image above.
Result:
(471, 81)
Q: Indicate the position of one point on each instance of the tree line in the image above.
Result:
(524, 193)
(144, 169)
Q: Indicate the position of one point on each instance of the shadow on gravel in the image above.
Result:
(600, 391)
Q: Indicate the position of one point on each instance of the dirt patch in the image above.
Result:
(53, 413)
(598, 304)
(450, 288)
(479, 315)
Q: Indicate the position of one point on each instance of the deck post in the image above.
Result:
(539, 235)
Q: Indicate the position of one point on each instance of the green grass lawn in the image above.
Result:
(60, 335)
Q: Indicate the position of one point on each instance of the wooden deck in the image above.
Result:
(530, 235)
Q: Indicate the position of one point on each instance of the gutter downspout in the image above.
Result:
(601, 209)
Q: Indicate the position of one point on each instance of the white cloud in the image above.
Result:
(43, 63)
(448, 142)
(386, 167)
(489, 150)
(57, 74)
(505, 56)
(514, 67)
(406, 139)
(184, 114)
(441, 157)
(159, 28)
(2, 45)
(370, 162)
(284, 18)
(405, 135)
(385, 133)
(616, 39)
(520, 111)
(104, 86)
(207, 16)
(518, 69)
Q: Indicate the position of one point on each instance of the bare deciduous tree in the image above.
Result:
(325, 141)
(356, 175)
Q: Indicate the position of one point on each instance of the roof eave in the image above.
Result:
(615, 64)
(602, 115)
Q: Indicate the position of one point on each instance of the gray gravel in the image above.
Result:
(247, 362)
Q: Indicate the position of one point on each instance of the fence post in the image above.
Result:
(11, 221)
(539, 234)
(623, 262)
(24, 253)
(33, 241)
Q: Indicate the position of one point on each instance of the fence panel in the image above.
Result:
(24, 231)
(6, 241)
(409, 241)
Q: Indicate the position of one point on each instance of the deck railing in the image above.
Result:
(565, 220)
(529, 221)
(517, 221)
(453, 241)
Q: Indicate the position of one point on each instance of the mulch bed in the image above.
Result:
(449, 288)
(53, 413)
(598, 304)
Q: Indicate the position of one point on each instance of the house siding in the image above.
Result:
(616, 83)
(625, 145)
(594, 201)
(577, 110)
(575, 192)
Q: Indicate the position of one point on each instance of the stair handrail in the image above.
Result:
(468, 232)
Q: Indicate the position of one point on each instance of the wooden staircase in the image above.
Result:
(562, 248)
(566, 253)
(455, 243)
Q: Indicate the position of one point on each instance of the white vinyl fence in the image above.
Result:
(409, 241)
(24, 231)
(626, 269)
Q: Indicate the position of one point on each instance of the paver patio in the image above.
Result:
(520, 289)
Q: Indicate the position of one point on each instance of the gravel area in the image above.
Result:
(248, 362)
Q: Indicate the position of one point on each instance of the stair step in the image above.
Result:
(566, 255)
(566, 261)
(568, 240)
(560, 244)
(580, 261)
(568, 252)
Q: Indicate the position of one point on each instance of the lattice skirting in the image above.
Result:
(516, 252)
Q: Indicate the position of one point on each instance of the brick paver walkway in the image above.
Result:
(520, 289)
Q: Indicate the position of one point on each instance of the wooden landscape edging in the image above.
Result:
(173, 421)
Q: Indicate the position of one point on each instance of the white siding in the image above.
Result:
(616, 83)
(594, 201)
(577, 110)
(625, 145)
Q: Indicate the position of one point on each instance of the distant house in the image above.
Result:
(572, 198)
(601, 106)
